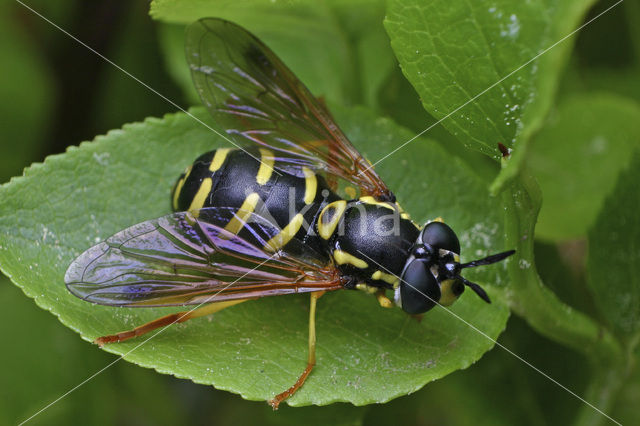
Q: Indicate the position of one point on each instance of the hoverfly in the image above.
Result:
(267, 220)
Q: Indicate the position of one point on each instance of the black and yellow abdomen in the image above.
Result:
(251, 182)
(357, 235)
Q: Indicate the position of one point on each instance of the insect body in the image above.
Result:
(357, 235)
(268, 219)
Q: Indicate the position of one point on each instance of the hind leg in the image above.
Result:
(166, 320)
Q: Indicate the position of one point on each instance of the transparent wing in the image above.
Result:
(189, 258)
(259, 101)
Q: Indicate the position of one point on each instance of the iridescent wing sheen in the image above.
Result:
(259, 101)
(189, 258)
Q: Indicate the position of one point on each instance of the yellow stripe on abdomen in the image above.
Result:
(329, 218)
(266, 166)
(178, 188)
(372, 201)
(310, 185)
(176, 192)
(201, 195)
(284, 236)
(218, 159)
(246, 209)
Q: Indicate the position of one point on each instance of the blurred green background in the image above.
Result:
(55, 93)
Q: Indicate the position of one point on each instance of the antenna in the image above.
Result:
(488, 260)
(479, 262)
(477, 289)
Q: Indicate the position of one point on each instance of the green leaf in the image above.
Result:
(365, 353)
(614, 254)
(457, 53)
(399, 101)
(304, 35)
(577, 157)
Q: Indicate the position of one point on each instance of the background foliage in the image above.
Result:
(570, 117)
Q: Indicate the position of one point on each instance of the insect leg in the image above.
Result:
(166, 320)
(275, 402)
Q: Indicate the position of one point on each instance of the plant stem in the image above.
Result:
(527, 295)
(529, 298)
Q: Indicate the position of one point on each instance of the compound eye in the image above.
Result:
(419, 289)
(439, 235)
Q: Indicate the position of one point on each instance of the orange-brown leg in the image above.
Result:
(275, 402)
(166, 320)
